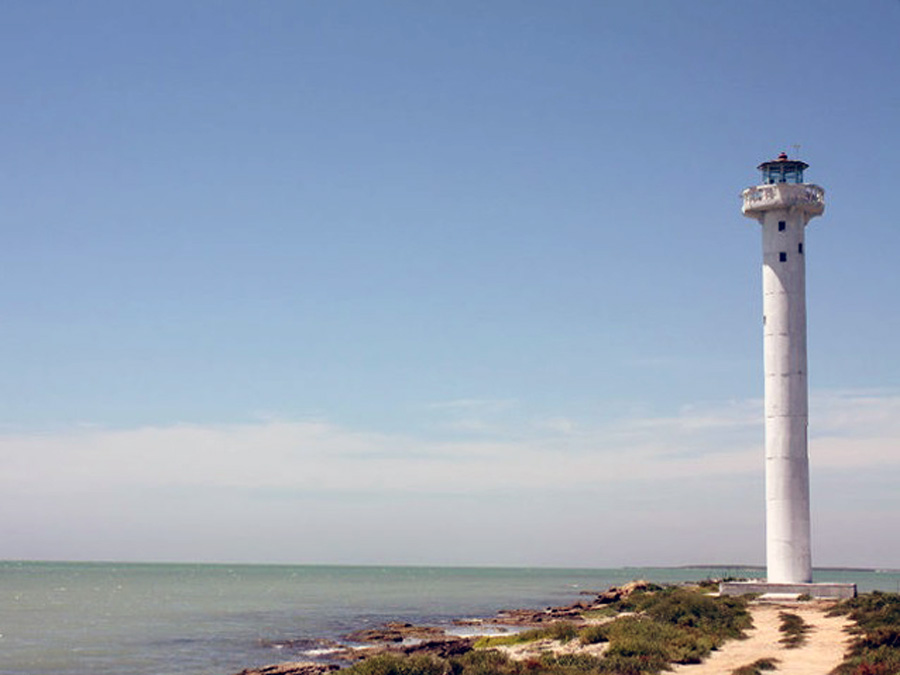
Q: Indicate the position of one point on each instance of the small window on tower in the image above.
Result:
(781, 225)
(782, 256)
(800, 248)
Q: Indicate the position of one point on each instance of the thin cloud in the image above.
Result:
(483, 404)
(711, 441)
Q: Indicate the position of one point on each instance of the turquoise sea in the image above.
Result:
(161, 619)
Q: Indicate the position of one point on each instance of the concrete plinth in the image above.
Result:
(820, 591)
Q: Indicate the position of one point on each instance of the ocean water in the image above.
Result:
(173, 619)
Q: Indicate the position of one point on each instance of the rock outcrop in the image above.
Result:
(445, 647)
(396, 632)
(292, 668)
(407, 638)
(573, 612)
(617, 593)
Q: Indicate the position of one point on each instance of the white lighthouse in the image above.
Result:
(783, 204)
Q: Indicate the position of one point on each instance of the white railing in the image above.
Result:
(784, 194)
(759, 194)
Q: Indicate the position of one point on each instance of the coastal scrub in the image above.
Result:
(649, 631)
(875, 649)
(757, 667)
(794, 630)
(673, 625)
(563, 631)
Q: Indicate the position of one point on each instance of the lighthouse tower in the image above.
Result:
(783, 204)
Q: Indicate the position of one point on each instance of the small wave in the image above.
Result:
(305, 645)
(323, 651)
(482, 630)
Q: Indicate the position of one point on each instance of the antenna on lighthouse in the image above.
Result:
(796, 148)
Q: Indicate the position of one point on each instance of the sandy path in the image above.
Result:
(824, 648)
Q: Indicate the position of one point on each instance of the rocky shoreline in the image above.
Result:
(409, 639)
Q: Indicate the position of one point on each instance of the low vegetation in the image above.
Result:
(794, 630)
(603, 613)
(757, 667)
(658, 628)
(720, 618)
(875, 649)
(647, 631)
(564, 631)
(673, 625)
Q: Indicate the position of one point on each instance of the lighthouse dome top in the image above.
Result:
(782, 170)
(782, 189)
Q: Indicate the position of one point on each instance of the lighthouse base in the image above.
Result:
(834, 591)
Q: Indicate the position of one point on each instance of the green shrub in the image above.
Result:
(794, 629)
(570, 663)
(724, 618)
(490, 641)
(558, 630)
(756, 668)
(616, 664)
(564, 631)
(652, 643)
(489, 662)
(871, 610)
(484, 662)
(672, 625)
(882, 636)
(594, 634)
(397, 664)
(875, 649)
(878, 662)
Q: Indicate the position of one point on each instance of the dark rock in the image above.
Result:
(375, 635)
(443, 647)
(530, 617)
(573, 612)
(300, 644)
(291, 668)
(431, 640)
(451, 646)
(396, 632)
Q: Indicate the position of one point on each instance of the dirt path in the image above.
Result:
(824, 648)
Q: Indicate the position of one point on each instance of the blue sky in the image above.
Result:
(435, 282)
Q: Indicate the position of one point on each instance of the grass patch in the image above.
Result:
(593, 635)
(722, 618)
(757, 667)
(396, 664)
(602, 613)
(485, 662)
(794, 630)
(673, 625)
(564, 631)
(649, 646)
(571, 663)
